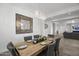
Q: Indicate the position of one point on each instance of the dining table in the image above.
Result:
(34, 49)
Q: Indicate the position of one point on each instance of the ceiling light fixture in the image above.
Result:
(73, 21)
(37, 13)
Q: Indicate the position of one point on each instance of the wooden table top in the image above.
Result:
(33, 49)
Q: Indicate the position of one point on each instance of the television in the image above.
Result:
(76, 27)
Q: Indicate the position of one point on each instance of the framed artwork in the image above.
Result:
(46, 26)
(24, 24)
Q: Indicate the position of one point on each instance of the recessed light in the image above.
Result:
(73, 21)
(37, 13)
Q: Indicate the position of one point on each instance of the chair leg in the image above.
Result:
(56, 52)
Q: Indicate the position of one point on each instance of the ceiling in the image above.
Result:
(47, 9)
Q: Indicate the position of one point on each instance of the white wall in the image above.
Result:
(65, 25)
(60, 27)
(48, 30)
(7, 25)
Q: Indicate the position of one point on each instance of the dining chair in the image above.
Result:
(56, 48)
(12, 49)
(27, 38)
(50, 35)
(36, 36)
(50, 51)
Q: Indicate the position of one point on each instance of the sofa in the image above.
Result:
(71, 35)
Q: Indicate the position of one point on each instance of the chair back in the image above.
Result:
(57, 43)
(50, 35)
(27, 38)
(36, 36)
(12, 49)
(51, 51)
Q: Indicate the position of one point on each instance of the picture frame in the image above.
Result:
(24, 24)
(46, 26)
